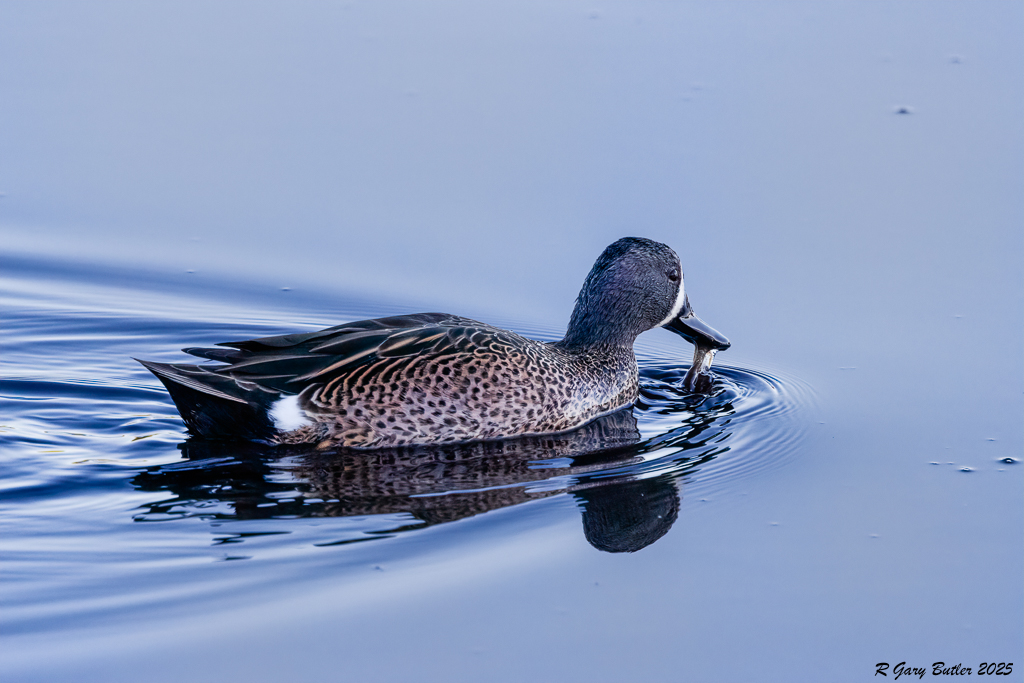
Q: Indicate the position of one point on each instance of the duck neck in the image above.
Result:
(590, 332)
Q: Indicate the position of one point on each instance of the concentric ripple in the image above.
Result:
(751, 420)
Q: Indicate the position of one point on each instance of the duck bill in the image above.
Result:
(696, 331)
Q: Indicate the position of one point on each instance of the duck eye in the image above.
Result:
(673, 275)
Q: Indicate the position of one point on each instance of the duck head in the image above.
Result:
(636, 285)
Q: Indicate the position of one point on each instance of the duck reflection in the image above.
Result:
(626, 502)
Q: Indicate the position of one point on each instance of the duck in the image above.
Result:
(436, 378)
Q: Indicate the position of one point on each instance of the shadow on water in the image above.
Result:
(627, 487)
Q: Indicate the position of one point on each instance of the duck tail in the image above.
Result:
(217, 406)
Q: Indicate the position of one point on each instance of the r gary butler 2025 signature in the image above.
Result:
(940, 669)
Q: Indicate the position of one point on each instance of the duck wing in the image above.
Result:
(287, 364)
(232, 400)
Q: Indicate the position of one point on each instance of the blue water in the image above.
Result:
(842, 181)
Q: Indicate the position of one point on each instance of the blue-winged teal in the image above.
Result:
(438, 378)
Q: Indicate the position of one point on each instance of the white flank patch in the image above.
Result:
(678, 306)
(287, 415)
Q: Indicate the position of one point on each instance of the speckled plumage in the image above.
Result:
(470, 381)
(436, 378)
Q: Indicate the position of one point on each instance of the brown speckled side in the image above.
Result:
(480, 382)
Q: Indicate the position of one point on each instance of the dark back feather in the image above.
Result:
(288, 363)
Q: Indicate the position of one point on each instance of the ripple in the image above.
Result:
(753, 419)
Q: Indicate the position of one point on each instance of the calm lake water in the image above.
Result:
(844, 184)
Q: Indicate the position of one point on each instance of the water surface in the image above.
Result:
(843, 183)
